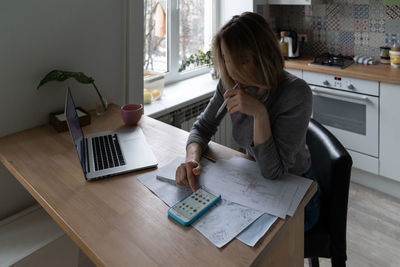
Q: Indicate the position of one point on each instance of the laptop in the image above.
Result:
(108, 153)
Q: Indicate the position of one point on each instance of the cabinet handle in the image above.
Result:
(325, 82)
(341, 96)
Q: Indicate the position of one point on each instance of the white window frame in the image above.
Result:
(173, 47)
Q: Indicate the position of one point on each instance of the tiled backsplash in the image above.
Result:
(347, 27)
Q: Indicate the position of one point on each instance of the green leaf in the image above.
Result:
(199, 58)
(60, 75)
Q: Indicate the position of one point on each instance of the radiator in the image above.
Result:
(185, 117)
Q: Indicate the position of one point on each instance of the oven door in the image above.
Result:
(351, 117)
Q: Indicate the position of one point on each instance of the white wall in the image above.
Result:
(42, 35)
(39, 36)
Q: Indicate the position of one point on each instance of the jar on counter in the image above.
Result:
(284, 45)
(384, 53)
(395, 56)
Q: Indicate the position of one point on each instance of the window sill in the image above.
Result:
(181, 94)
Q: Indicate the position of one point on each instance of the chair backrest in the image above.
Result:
(331, 164)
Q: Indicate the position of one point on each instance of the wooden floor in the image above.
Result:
(373, 229)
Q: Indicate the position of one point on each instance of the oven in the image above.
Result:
(348, 108)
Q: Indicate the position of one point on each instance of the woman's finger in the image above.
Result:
(197, 171)
(180, 175)
(190, 177)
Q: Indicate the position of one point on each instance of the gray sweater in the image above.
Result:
(289, 107)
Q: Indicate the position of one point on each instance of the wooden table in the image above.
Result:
(119, 222)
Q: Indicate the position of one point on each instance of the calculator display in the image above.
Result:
(194, 203)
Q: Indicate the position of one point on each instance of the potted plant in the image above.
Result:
(200, 58)
(60, 75)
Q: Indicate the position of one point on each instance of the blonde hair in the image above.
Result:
(249, 33)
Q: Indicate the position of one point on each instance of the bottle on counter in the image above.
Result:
(395, 55)
(284, 45)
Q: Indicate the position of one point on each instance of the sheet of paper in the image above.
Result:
(257, 229)
(302, 186)
(167, 172)
(240, 181)
(220, 225)
(225, 221)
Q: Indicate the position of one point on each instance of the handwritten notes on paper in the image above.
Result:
(250, 202)
(220, 224)
(240, 180)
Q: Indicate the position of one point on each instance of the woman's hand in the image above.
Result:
(186, 172)
(241, 101)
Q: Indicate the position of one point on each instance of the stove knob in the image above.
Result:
(325, 83)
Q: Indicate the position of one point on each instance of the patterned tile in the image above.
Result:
(319, 48)
(343, 26)
(393, 12)
(361, 38)
(319, 23)
(392, 26)
(307, 22)
(332, 37)
(332, 10)
(361, 25)
(332, 23)
(308, 10)
(377, 25)
(361, 2)
(346, 38)
(319, 10)
(376, 39)
(361, 50)
(391, 2)
(346, 24)
(308, 49)
(319, 36)
(346, 11)
(309, 34)
(361, 11)
(391, 39)
(374, 52)
(334, 49)
(347, 50)
(377, 9)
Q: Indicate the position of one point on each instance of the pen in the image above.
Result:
(209, 158)
(225, 101)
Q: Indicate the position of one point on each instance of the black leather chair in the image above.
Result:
(331, 164)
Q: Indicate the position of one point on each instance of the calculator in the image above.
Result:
(190, 208)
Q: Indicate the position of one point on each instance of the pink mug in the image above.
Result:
(131, 113)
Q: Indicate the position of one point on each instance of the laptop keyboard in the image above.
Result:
(107, 152)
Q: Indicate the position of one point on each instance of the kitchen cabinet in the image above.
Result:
(389, 160)
(289, 2)
(295, 72)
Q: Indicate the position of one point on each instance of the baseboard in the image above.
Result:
(376, 182)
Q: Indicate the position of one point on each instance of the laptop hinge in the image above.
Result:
(85, 155)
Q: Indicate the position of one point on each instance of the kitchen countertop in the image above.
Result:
(379, 72)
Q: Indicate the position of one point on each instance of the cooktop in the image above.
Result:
(330, 60)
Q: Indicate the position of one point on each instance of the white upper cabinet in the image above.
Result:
(289, 2)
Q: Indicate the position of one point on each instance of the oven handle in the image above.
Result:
(341, 96)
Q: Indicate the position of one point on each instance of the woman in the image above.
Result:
(270, 108)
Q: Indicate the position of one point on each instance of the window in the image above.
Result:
(175, 29)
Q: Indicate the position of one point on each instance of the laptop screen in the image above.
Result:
(74, 127)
